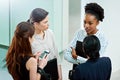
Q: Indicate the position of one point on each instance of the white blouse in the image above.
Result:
(48, 43)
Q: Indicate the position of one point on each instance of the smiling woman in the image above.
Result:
(94, 14)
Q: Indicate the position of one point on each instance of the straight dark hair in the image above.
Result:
(91, 46)
(37, 15)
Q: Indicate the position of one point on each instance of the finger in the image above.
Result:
(36, 53)
(39, 53)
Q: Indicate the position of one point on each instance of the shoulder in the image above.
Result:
(32, 59)
(80, 31)
(105, 59)
(49, 31)
(80, 34)
(101, 35)
(50, 34)
(103, 39)
(32, 62)
(106, 62)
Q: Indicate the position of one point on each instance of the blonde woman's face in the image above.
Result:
(43, 25)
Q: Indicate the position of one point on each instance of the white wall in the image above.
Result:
(61, 28)
(74, 17)
(111, 28)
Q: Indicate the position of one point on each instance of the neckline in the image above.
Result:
(38, 36)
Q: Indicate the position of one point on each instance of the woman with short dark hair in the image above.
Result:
(96, 67)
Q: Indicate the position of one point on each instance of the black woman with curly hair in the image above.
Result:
(94, 14)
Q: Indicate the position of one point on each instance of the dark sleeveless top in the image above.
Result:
(24, 72)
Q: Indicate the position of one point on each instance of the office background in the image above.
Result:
(65, 17)
(14, 11)
(110, 27)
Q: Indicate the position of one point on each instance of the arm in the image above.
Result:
(68, 56)
(31, 65)
(68, 52)
(104, 44)
(79, 58)
(59, 72)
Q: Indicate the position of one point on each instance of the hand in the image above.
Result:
(43, 62)
(37, 54)
(74, 55)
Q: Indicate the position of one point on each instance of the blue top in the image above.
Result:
(99, 69)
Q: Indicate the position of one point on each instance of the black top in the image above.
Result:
(99, 69)
(52, 69)
(24, 72)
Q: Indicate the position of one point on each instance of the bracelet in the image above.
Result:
(41, 71)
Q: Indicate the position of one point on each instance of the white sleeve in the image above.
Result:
(68, 56)
(81, 59)
(104, 44)
(67, 52)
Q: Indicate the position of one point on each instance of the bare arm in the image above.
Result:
(31, 65)
(59, 72)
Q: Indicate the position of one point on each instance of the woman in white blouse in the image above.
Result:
(44, 37)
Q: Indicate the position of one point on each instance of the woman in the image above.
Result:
(44, 37)
(94, 13)
(20, 61)
(95, 68)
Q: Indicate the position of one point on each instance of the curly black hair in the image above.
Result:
(95, 9)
